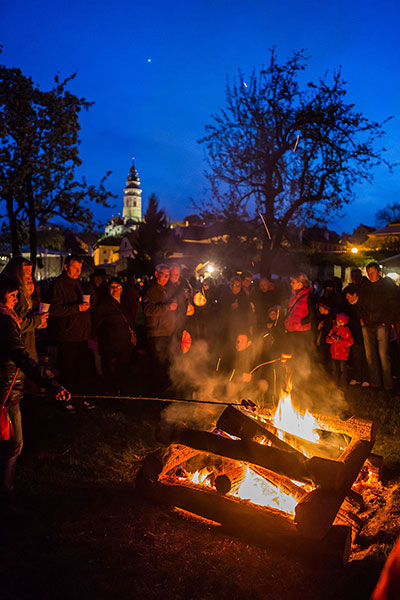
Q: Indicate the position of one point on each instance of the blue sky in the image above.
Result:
(156, 111)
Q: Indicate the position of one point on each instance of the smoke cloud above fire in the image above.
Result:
(195, 376)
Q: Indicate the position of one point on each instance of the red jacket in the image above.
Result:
(340, 339)
(297, 310)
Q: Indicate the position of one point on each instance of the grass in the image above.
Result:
(93, 536)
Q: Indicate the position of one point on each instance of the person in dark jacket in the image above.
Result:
(113, 326)
(263, 298)
(324, 323)
(357, 358)
(19, 269)
(71, 317)
(159, 312)
(15, 362)
(377, 309)
(176, 290)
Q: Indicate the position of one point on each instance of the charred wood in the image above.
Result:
(316, 512)
(235, 422)
(231, 478)
(355, 427)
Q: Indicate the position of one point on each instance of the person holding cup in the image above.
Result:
(70, 314)
(19, 269)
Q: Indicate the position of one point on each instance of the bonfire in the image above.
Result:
(281, 476)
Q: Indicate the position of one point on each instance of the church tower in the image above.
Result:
(132, 197)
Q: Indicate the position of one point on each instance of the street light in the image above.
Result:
(354, 250)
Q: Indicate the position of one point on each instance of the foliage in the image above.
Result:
(291, 154)
(389, 214)
(39, 152)
(154, 239)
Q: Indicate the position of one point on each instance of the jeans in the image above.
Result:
(376, 344)
(10, 450)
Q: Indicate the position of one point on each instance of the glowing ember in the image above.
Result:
(290, 420)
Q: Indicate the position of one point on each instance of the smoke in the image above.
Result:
(196, 376)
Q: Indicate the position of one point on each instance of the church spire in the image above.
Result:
(132, 196)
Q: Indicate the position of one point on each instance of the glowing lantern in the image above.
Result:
(199, 299)
(186, 341)
(190, 310)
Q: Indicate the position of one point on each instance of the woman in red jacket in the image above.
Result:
(299, 318)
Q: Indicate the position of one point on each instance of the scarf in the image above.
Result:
(4, 310)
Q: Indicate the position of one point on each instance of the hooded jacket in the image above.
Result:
(340, 339)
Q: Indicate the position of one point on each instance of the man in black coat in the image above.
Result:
(71, 317)
(159, 310)
(377, 308)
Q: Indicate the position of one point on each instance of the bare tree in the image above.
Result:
(289, 153)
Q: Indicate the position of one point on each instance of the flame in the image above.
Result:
(288, 419)
(253, 488)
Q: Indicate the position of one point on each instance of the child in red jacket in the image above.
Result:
(341, 340)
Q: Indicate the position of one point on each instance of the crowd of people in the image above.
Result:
(114, 336)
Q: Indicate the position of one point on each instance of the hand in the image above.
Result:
(43, 320)
(246, 377)
(352, 298)
(84, 306)
(62, 395)
(173, 306)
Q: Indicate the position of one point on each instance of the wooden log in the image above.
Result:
(176, 456)
(316, 512)
(257, 525)
(327, 473)
(361, 429)
(235, 422)
(374, 463)
(355, 500)
(345, 517)
(230, 479)
(355, 427)
(280, 481)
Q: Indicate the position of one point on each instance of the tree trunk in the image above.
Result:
(32, 223)
(13, 225)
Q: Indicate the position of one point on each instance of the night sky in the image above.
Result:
(157, 71)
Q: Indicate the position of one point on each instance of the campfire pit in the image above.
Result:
(257, 483)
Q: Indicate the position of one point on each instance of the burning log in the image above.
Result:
(349, 518)
(282, 482)
(234, 422)
(178, 455)
(257, 525)
(355, 499)
(230, 479)
(316, 512)
(361, 429)
(329, 474)
(374, 463)
(355, 427)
